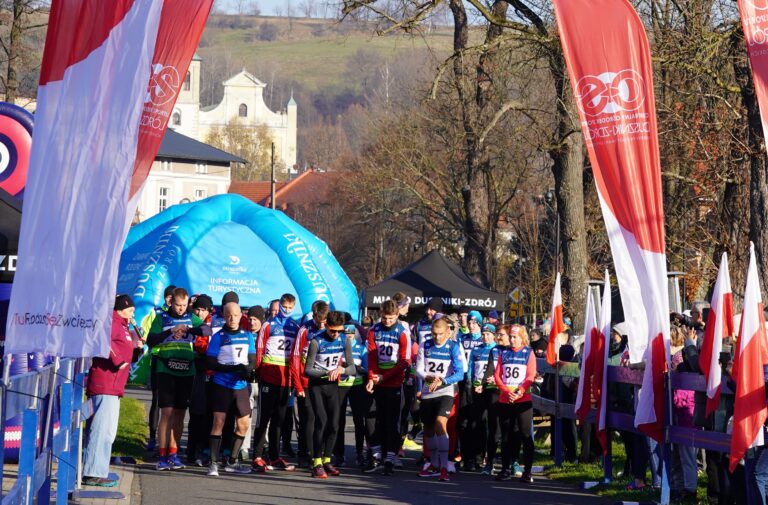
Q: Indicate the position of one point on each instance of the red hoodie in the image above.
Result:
(106, 377)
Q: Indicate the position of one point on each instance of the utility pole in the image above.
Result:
(274, 180)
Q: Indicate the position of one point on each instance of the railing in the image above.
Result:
(56, 391)
(693, 437)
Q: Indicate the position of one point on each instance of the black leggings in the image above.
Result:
(325, 402)
(363, 415)
(493, 424)
(273, 403)
(306, 425)
(477, 431)
(338, 448)
(409, 394)
(388, 405)
(154, 411)
(516, 429)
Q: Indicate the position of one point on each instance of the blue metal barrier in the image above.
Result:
(43, 397)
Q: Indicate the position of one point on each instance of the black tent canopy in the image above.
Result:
(433, 275)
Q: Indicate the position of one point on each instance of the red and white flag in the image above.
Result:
(109, 78)
(609, 65)
(557, 326)
(601, 365)
(588, 355)
(749, 410)
(719, 326)
(754, 21)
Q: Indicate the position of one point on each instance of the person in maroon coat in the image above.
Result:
(106, 385)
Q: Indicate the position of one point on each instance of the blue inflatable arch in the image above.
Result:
(228, 243)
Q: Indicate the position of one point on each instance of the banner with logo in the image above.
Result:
(107, 84)
(609, 64)
(754, 20)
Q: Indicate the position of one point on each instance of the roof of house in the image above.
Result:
(308, 187)
(256, 191)
(176, 145)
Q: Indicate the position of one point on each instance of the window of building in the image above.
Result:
(188, 81)
(176, 118)
(201, 168)
(162, 202)
(165, 166)
(200, 194)
(243, 110)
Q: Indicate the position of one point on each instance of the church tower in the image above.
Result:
(185, 116)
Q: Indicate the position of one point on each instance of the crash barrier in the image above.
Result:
(51, 404)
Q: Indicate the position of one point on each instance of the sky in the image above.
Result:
(267, 6)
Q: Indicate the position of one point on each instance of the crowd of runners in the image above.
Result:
(250, 378)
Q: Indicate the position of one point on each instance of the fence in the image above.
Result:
(43, 397)
(693, 437)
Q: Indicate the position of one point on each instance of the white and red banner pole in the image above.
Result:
(108, 82)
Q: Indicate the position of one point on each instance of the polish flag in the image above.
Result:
(600, 375)
(557, 324)
(719, 326)
(609, 64)
(109, 79)
(749, 410)
(591, 342)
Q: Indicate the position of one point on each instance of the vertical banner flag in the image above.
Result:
(719, 326)
(754, 20)
(749, 410)
(609, 65)
(108, 81)
(601, 365)
(557, 326)
(586, 387)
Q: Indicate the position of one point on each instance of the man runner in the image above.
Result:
(440, 367)
(273, 354)
(232, 357)
(389, 357)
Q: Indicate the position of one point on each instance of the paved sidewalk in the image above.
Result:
(127, 485)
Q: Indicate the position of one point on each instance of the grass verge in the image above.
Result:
(576, 473)
(131, 429)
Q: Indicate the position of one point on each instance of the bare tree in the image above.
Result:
(307, 8)
(23, 20)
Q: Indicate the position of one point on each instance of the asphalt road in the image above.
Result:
(191, 486)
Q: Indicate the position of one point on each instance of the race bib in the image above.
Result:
(279, 347)
(388, 352)
(478, 370)
(437, 367)
(236, 354)
(514, 375)
(328, 361)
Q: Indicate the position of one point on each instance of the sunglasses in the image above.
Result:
(334, 332)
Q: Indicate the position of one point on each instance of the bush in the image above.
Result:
(268, 31)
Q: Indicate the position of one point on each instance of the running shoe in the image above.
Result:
(400, 453)
(429, 471)
(517, 470)
(339, 460)
(331, 470)
(213, 469)
(487, 469)
(444, 475)
(318, 472)
(260, 466)
(176, 462)
(281, 464)
(410, 445)
(151, 444)
(200, 461)
(99, 481)
(389, 468)
(426, 464)
(373, 466)
(163, 463)
(503, 475)
(236, 467)
(526, 478)
(398, 462)
(451, 467)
